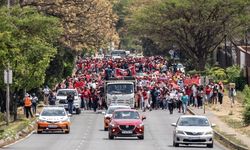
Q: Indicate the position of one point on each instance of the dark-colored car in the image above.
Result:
(126, 123)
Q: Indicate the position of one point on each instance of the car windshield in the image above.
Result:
(120, 89)
(126, 115)
(53, 112)
(193, 121)
(112, 109)
(66, 92)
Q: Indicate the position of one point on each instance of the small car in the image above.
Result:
(126, 123)
(109, 112)
(53, 119)
(193, 130)
(61, 99)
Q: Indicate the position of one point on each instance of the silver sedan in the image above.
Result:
(193, 130)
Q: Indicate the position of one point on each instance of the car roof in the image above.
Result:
(53, 108)
(118, 110)
(193, 116)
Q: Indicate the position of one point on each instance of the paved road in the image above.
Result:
(87, 133)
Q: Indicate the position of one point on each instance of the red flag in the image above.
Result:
(132, 70)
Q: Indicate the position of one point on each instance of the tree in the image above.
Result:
(27, 40)
(197, 27)
(87, 24)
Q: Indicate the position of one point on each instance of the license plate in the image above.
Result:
(194, 138)
(52, 126)
(127, 132)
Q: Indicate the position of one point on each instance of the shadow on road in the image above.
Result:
(122, 139)
(50, 132)
(189, 146)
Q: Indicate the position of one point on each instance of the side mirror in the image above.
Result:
(69, 115)
(143, 117)
(213, 125)
(173, 124)
(37, 115)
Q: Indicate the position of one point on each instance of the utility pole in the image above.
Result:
(8, 4)
(8, 81)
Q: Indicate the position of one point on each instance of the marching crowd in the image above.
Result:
(159, 85)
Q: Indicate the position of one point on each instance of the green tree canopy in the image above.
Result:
(27, 40)
(197, 27)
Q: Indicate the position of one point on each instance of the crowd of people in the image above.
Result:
(159, 84)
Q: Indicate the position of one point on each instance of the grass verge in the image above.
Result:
(229, 137)
(9, 132)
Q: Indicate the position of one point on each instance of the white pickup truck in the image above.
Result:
(61, 99)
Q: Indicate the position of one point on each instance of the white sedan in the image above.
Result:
(193, 130)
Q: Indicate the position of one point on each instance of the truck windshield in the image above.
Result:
(66, 92)
(118, 53)
(120, 89)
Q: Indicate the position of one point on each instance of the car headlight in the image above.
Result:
(41, 120)
(209, 133)
(179, 132)
(64, 120)
(113, 125)
(140, 125)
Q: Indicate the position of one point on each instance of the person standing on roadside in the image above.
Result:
(27, 105)
(34, 103)
(232, 94)
(46, 91)
(184, 100)
(70, 99)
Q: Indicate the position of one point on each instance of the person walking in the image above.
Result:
(232, 94)
(70, 99)
(46, 91)
(52, 98)
(34, 103)
(27, 106)
(184, 100)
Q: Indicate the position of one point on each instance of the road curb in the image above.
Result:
(19, 135)
(226, 142)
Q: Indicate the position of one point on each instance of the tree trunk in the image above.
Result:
(201, 63)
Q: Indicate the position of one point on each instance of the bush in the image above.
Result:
(246, 114)
(233, 73)
(217, 74)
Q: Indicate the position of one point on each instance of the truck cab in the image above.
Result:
(120, 92)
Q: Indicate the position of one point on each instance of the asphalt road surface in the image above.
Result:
(87, 134)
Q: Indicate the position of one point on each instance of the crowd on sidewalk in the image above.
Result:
(159, 84)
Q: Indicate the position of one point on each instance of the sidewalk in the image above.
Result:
(222, 126)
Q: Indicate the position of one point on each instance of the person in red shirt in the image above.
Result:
(85, 97)
(208, 93)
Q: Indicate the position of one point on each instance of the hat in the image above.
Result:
(27, 94)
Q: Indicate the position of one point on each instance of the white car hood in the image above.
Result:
(194, 128)
(53, 118)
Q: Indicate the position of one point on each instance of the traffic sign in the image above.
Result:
(8, 76)
(171, 52)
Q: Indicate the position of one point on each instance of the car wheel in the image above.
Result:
(78, 111)
(175, 144)
(68, 130)
(111, 137)
(39, 132)
(141, 137)
(210, 145)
